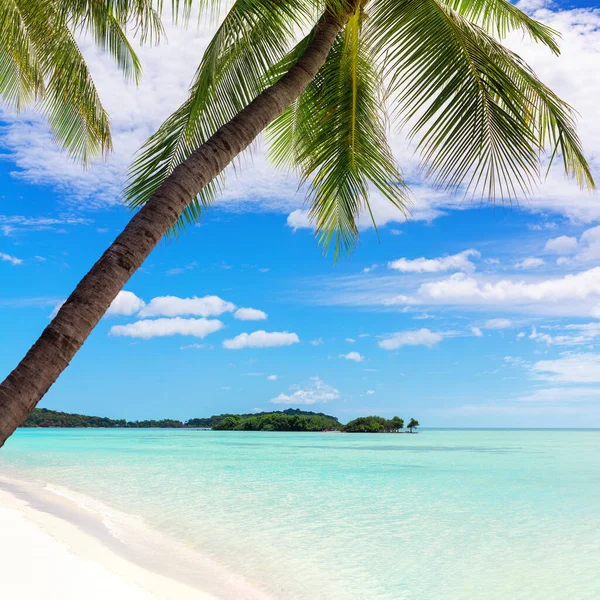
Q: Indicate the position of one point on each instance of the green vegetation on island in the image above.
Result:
(43, 417)
(290, 419)
(374, 425)
(279, 422)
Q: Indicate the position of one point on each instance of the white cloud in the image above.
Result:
(261, 339)
(453, 262)
(11, 224)
(422, 337)
(192, 347)
(272, 377)
(317, 342)
(570, 368)
(477, 331)
(350, 340)
(572, 294)
(316, 391)
(172, 306)
(250, 314)
(13, 260)
(530, 263)
(299, 219)
(561, 245)
(149, 328)
(574, 335)
(126, 304)
(497, 323)
(354, 356)
(370, 392)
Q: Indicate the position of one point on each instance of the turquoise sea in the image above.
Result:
(442, 515)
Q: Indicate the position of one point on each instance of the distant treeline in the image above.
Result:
(290, 419)
(43, 417)
(279, 422)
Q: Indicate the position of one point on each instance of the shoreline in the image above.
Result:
(58, 543)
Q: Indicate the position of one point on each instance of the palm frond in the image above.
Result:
(41, 61)
(500, 17)
(101, 18)
(482, 115)
(21, 79)
(252, 38)
(70, 101)
(336, 136)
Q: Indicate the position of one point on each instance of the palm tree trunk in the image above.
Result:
(62, 338)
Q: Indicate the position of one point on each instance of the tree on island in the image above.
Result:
(374, 424)
(412, 424)
(397, 423)
(482, 118)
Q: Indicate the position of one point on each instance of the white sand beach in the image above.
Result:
(58, 544)
(43, 556)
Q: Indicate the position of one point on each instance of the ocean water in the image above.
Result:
(446, 514)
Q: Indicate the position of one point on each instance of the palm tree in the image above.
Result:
(482, 118)
(412, 424)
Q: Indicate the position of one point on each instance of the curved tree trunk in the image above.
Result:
(62, 338)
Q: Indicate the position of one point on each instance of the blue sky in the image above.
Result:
(466, 315)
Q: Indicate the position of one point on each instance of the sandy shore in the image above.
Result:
(43, 556)
(52, 548)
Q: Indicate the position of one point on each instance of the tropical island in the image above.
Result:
(290, 419)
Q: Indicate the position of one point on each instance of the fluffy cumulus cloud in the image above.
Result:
(530, 263)
(569, 368)
(563, 244)
(250, 314)
(575, 251)
(572, 294)
(172, 306)
(261, 339)
(453, 262)
(353, 356)
(476, 331)
(497, 323)
(317, 391)
(422, 337)
(150, 328)
(13, 260)
(125, 304)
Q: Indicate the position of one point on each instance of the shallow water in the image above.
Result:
(446, 514)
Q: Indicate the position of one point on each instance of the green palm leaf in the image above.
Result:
(336, 136)
(252, 38)
(41, 61)
(481, 113)
(21, 78)
(500, 17)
